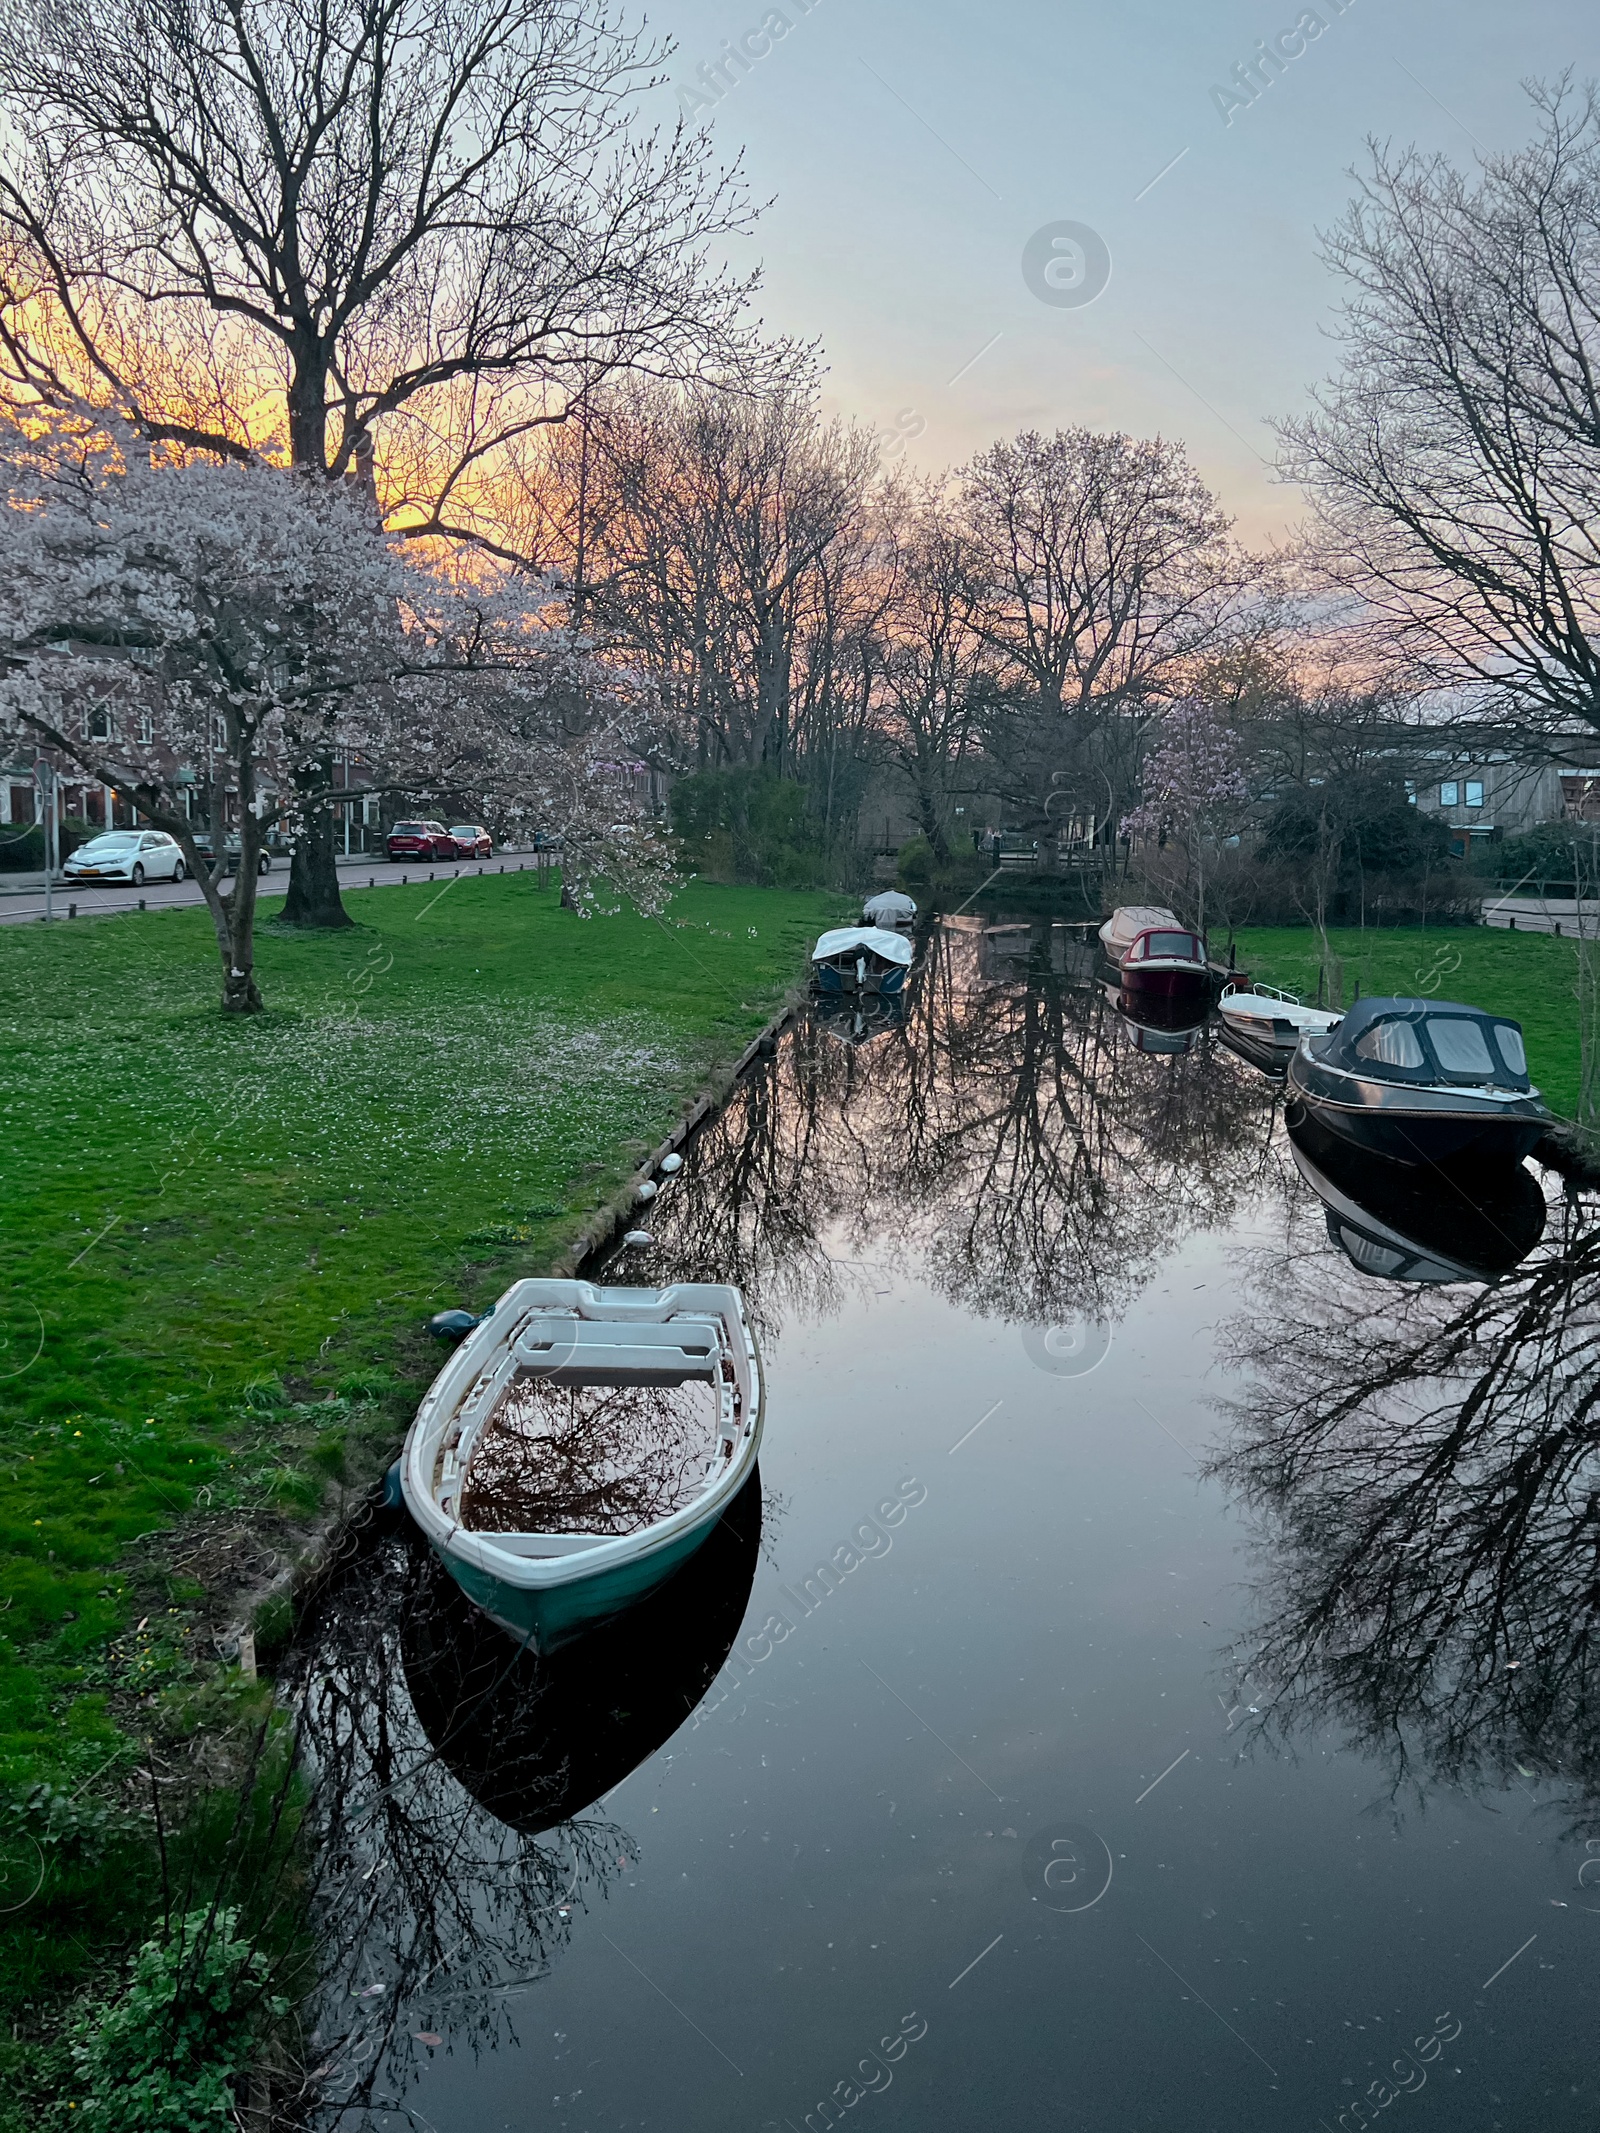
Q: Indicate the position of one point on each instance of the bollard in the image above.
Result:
(430, 877)
(372, 881)
(72, 910)
(141, 903)
(1512, 922)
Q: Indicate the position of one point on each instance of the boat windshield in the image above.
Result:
(1460, 1046)
(1179, 944)
(1509, 1038)
(1393, 1043)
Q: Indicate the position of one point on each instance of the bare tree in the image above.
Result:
(1454, 461)
(1101, 569)
(937, 659)
(713, 517)
(384, 239)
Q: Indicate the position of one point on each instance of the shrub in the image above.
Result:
(1549, 855)
(749, 826)
(162, 2057)
(1377, 827)
(916, 862)
(22, 846)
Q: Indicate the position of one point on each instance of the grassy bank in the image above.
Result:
(221, 1240)
(1529, 976)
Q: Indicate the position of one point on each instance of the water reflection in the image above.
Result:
(1401, 1223)
(450, 1769)
(1423, 1463)
(536, 1741)
(1414, 1427)
(1016, 1141)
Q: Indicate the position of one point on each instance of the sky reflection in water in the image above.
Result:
(1155, 1691)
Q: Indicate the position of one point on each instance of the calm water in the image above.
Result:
(1151, 1690)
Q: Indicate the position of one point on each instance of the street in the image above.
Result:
(361, 871)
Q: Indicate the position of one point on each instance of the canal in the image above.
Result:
(1150, 1685)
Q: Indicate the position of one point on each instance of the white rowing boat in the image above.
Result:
(580, 1444)
(1267, 1025)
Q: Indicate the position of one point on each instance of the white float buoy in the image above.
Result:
(648, 1190)
(670, 1163)
(638, 1239)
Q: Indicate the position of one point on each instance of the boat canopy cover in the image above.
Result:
(1166, 944)
(1129, 919)
(851, 940)
(888, 906)
(1422, 1041)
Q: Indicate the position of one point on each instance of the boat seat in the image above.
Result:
(592, 1351)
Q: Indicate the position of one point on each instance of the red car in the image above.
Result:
(421, 840)
(472, 840)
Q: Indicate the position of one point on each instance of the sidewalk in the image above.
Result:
(1544, 914)
(22, 896)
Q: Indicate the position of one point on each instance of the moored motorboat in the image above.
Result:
(1421, 1081)
(1401, 1223)
(1127, 922)
(580, 1444)
(1266, 1025)
(889, 908)
(1156, 955)
(861, 959)
(1158, 1024)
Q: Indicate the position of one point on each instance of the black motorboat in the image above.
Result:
(1401, 1223)
(1420, 1081)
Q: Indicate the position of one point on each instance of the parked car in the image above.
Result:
(421, 840)
(471, 839)
(231, 849)
(135, 856)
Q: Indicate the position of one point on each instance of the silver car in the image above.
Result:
(135, 856)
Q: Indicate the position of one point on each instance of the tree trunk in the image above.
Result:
(235, 914)
(313, 898)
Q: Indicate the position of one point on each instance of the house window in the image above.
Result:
(1474, 792)
(219, 730)
(147, 727)
(100, 725)
(1450, 793)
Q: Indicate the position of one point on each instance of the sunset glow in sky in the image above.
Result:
(912, 152)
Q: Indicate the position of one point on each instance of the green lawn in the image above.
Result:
(1530, 976)
(212, 1226)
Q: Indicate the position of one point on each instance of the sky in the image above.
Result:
(910, 154)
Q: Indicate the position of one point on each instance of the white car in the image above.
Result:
(135, 856)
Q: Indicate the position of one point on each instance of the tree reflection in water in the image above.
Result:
(1423, 1463)
(450, 1771)
(1005, 1140)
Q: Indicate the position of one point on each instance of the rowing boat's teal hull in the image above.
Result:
(556, 1615)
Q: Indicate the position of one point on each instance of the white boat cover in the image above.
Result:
(888, 908)
(1129, 919)
(849, 940)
